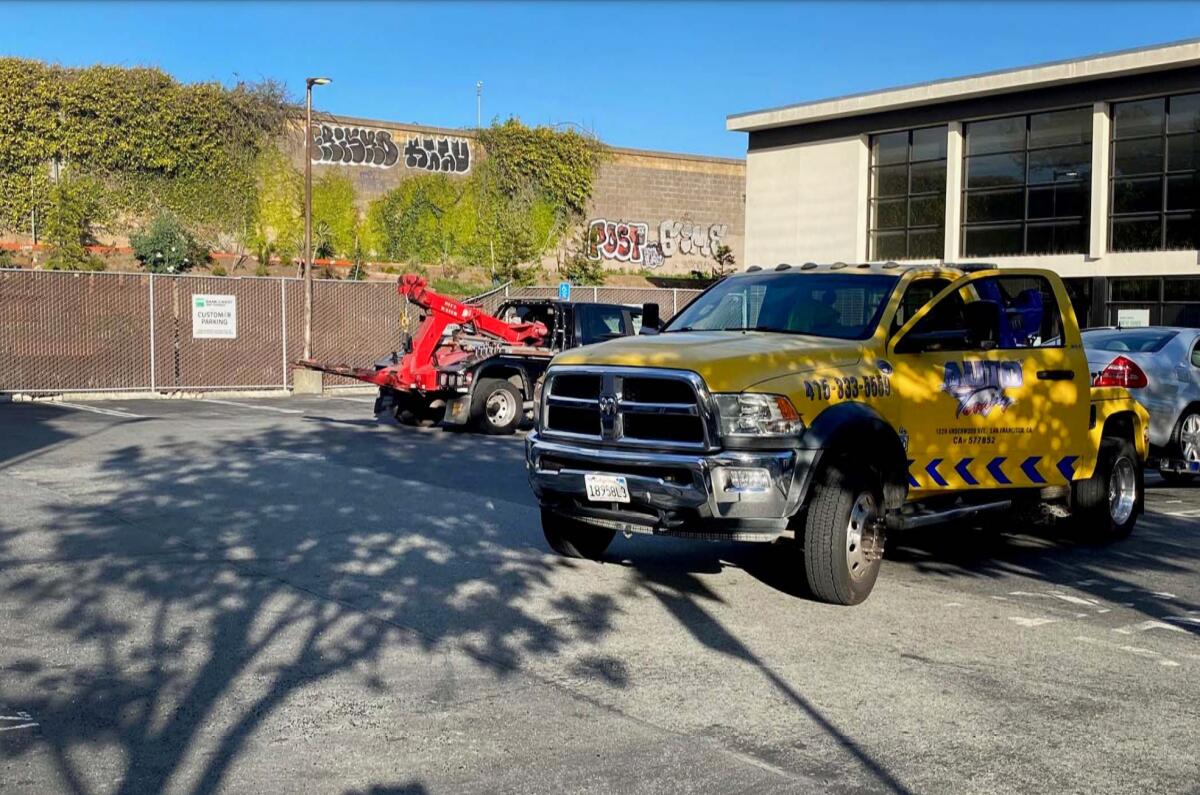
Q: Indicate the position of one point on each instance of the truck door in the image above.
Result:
(994, 392)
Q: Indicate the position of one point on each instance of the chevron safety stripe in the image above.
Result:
(1066, 466)
(1029, 467)
(996, 474)
(962, 468)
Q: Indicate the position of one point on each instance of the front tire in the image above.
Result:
(1106, 505)
(843, 537)
(573, 538)
(496, 407)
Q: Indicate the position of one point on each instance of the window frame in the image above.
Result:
(1025, 222)
(873, 230)
(1164, 173)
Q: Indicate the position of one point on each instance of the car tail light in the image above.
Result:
(1121, 372)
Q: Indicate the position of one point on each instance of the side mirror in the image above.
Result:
(651, 323)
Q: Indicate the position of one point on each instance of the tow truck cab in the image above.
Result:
(833, 404)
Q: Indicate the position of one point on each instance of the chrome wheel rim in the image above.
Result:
(1122, 491)
(500, 407)
(1189, 437)
(864, 537)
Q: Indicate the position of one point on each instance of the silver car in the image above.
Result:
(1164, 377)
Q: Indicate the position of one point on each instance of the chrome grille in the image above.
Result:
(628, 406)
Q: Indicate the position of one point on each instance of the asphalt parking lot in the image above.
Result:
(286, 595)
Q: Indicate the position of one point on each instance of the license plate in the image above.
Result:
(606, 488)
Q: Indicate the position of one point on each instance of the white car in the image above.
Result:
(1161, 368)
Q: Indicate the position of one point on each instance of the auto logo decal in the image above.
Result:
(980, 386)
(608, 405)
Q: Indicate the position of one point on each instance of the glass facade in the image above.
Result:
(908, 194)
(1169, 301)
(1026, 184)
(1155, 174)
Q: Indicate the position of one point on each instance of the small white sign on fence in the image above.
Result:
(214, 317)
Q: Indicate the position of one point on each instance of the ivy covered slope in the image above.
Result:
(531, 188)
(147, 142)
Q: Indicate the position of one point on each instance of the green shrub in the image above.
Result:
(261, 270)
(165, 246)
(218, 270)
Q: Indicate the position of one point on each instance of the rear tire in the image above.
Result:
(1106, 506)
(1185, 442)
(573, 538)
(496, 407)
(843, 544)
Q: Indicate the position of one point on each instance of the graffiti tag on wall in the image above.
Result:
(627, 241)
(616, 240)
(452, 155)
(353, 146)
(683, 237)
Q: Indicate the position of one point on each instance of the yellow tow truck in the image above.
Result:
(834, 404)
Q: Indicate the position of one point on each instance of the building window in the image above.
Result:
(1155, 301)
(1027, 184)
(1155, 173)
(908, 194)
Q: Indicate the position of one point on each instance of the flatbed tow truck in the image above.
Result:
(465, 366)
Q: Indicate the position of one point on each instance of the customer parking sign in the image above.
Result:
(214, 317)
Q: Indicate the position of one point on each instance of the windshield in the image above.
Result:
(1127, 340)
(838, 305)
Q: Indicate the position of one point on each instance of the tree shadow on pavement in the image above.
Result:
(201, 585)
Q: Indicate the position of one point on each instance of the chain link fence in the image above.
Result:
(113, 332)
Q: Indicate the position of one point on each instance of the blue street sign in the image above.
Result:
(564, 291)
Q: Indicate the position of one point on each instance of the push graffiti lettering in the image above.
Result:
(443, 154)
(616, 240)
(628, 241)
(684, 237)
(353, 146)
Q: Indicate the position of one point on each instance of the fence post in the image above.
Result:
(152, 383)
(283, 314)
(506, 291)
(595, 295)
(674, 301)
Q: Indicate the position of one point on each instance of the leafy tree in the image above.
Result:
(427, 218)
(335, 213)
(75, 206)
(166, 246)
(723, 260)
(279, 215)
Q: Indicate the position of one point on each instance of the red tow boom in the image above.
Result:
(478, 333)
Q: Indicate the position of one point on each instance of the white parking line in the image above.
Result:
(252, 406)
(353, 400)
(96, 410)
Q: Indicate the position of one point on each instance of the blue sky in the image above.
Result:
(655, 76)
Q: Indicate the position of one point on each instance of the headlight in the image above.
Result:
(748, 414)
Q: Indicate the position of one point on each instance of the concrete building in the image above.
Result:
(1090, 167)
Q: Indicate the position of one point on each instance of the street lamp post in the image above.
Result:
(308, 263)
(478, 104)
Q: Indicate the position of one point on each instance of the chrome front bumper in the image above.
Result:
(672, 493)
